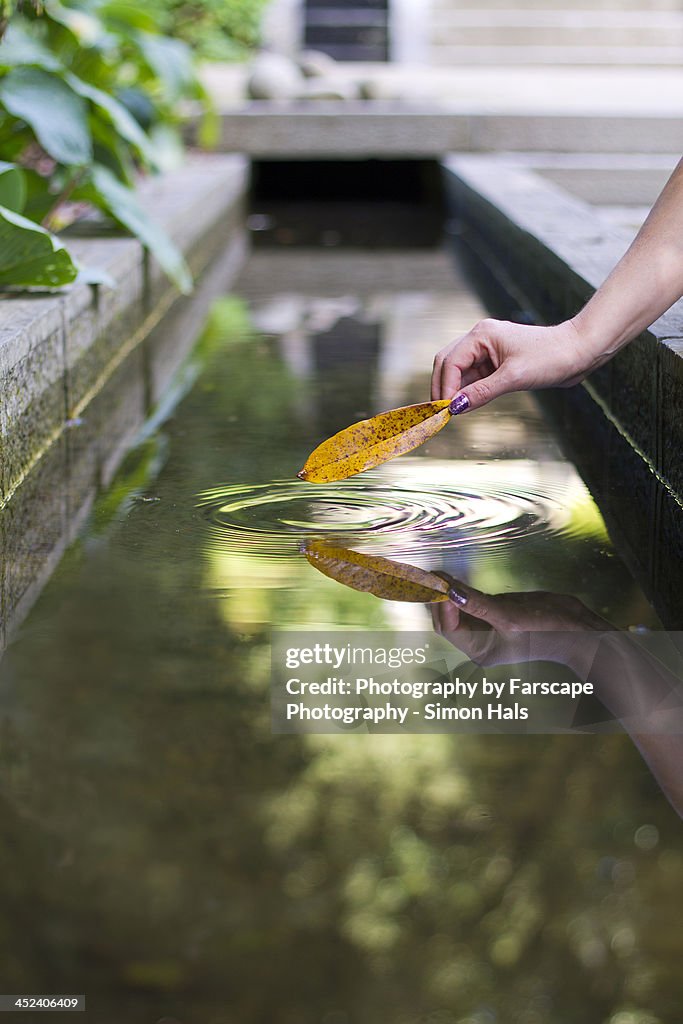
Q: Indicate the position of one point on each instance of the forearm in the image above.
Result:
(645, 282)
(497, 356)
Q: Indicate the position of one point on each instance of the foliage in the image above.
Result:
(215, 29)
(89, 92)
(6, 7)
(31, 255)
(227, 321)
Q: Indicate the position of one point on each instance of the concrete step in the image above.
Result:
(360, 51)
(618, 56)
(558, 28)
(564, 18)
(335, 17)
(439, 8)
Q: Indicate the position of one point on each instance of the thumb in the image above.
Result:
(481, 392)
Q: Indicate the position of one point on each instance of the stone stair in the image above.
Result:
(590, 32)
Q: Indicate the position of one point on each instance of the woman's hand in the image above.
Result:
(497, 356)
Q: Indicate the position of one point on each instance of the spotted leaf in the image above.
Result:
(368, 443)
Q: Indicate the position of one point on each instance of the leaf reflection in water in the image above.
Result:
(383, 577)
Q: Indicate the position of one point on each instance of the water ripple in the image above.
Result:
(399, 518)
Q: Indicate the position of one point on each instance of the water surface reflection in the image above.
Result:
(164, 853)
(417, 506)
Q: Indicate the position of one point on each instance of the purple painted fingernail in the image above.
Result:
(457, 598)
(459, 404)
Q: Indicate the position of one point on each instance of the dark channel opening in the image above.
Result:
(355, 30)
(368, 203)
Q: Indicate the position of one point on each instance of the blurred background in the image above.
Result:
(456, 32)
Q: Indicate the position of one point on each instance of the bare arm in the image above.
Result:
(639, 690)
(496, 356)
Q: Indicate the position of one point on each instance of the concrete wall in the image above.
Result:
(81, 370)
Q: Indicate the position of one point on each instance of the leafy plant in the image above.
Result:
(215, 29)
(31, 255)
(5, 11)
(89, 98)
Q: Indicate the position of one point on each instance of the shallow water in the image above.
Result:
(422, 513)
(165, 854)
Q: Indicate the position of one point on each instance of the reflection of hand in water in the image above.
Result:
(633, 684)
(539, 626)
(495, 629)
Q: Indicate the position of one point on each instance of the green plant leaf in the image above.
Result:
(83, 25)
(30, 256)
(12, 187)
(113, 197)
(39, 198)
(139, 105)
(111, 151)
(52, 109)
(19, 49)
(124, 122)
(130, 15)
(170, 60)
(168, 146)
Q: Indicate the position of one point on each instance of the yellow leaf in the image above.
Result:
(370, 442)
(394, 581)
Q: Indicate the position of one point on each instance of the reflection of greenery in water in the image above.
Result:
(163, 852)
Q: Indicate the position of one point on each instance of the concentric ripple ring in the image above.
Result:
(396, 518)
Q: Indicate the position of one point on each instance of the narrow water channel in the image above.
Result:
(167, 855)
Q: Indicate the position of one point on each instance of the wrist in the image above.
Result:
(597, 340)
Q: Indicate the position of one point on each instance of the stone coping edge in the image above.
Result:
(373, 129)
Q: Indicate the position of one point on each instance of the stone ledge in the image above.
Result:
(615, 179)
(356, 130)
(57, 351)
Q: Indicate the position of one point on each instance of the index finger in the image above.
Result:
(462, 356)
(477, 604)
